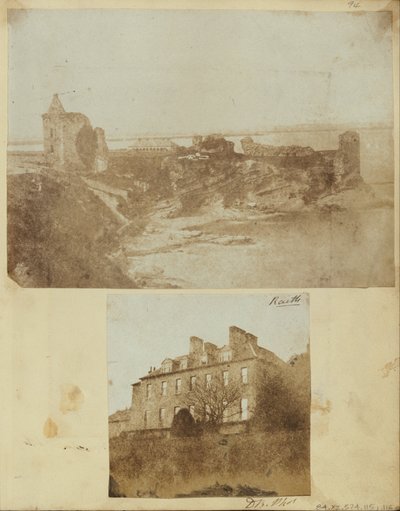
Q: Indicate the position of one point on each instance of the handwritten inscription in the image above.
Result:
(260, 503)
(281, 502)
(286, 301)
(353, 4)
(355, 507)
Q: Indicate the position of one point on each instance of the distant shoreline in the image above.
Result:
(307, 128)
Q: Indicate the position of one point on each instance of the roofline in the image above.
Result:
(191, 369)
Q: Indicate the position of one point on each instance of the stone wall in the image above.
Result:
(213, 144)
(239, 340)
(53, 140)
(70, 142)
(79, 142)
(101, 154)
(152, 402)
(344, 163)
(265, 151)
(119, 422)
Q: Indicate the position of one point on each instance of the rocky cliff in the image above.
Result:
(60, 234)
(267, 178)
(245, 182)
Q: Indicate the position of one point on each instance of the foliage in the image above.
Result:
(61, 235)
(183, 424)
(283, 403)
(164, 467)
(214, 401)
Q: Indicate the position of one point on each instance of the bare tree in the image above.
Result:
(215, 401)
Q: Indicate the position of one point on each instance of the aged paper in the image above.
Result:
(54, 375)
(208, 167)
(224, 409)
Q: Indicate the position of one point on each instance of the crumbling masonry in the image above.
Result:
(70, 142)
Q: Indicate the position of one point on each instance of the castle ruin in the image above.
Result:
(70, 142)
(342, 163)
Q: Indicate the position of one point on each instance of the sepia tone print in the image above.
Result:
(260, 165)
(227, 418)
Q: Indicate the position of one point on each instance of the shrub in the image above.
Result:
(282, 405)
(183, 424)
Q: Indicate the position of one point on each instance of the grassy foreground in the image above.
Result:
(211, 465)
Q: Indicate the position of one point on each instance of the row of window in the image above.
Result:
(162, 412)
(192, 382)
(224, 356)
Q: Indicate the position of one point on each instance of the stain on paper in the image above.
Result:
(50, 428)
(71, 398)
(389, 367)
(318, 406)
(15, 16)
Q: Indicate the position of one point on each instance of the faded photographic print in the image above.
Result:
(209, 395)
(200, 149)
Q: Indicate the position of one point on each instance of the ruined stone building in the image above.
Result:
(213, 144)
(160, 394)
(343, 163)
(70, 142)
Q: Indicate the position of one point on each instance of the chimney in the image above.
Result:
(196, 346)
(210, 347)
(237, 336)
(239, 339)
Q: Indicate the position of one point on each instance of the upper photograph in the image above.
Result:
(200, 149)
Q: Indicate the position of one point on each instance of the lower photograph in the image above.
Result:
(209, 395)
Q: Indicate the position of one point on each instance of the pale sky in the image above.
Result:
(141, 71)
(144, 329)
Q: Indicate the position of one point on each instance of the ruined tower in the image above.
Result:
(70, 142)
(346, 163)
